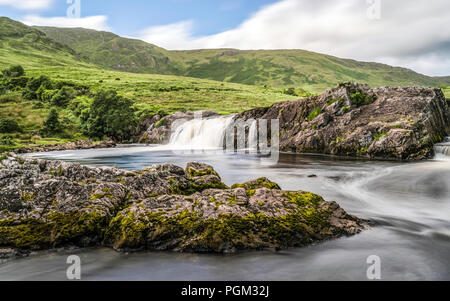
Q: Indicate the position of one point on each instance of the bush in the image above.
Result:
(14, 71)
(7, 141)
(16, 83)
(35, 83)
(52, 124)
(361, 99)
(63, 96)
(110, 115)
(290, 91)
(8, 125)
(46, 95)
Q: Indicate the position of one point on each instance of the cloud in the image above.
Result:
(92, 22)
(27, 4)
(411, 35)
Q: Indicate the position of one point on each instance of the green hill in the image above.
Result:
(279, 68)
(110, 51)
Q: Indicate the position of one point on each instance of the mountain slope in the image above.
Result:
(113, 52)
(279, 68)
(21, 44)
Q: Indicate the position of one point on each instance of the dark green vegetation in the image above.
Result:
(73, 110)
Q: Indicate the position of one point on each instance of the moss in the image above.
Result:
(232, 200)
(332, 101)
(201, 173)
(191, 187)
(27, 197)
(379, 136)
(188, 231)
(345, 109)
(316, 112)
(3, 157)
(251, 186)
(58, 230)
(161, 123)
(436, 138)
(303, 198)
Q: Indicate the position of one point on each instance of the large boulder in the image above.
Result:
(50, 204)
(355, 120)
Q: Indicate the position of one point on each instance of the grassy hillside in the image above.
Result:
(150, 93)
(279, 68)
(110, 51)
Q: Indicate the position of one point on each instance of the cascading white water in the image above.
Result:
(201, 133)
(442, 150)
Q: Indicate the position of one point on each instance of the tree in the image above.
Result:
(110, 115)
(52, 124)
(8, 125)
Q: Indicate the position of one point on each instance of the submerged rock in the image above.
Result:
(51, 204)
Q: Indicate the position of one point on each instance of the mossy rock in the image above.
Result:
(258, 183)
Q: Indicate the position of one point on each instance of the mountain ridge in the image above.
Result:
(278, 68)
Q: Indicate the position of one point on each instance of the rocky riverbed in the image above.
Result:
(52, 204)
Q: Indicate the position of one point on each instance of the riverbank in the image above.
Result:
(81, 144)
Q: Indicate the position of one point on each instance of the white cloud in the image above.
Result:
(92, 22)
(415, 35)
(27, 4)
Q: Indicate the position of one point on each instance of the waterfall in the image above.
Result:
(442, 150)
(201, 133)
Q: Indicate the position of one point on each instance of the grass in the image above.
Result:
(447, 92)
(311, 71)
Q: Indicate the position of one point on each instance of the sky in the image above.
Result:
(412, 34)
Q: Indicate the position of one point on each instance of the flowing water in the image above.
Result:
(408, 202)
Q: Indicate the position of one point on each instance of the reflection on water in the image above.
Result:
(409, 202)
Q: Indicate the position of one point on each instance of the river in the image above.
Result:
(408, 202)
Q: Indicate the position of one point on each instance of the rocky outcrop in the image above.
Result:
(157, 129)
(50, 204)
(81, 144)
(355, 120)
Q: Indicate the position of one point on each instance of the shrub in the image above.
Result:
(35, 83)
(110, 115)
(361, 99)
(7, 141)
(14, 71)
(46, 95)
(63, 96)
(8, 125)
(290, 91)
(16, 83)
(52, 124)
